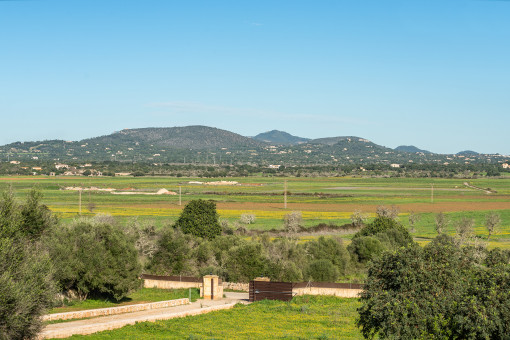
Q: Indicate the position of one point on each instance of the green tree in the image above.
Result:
(440, 291)
(26, 288)
(329, 249)
(26, 285)
(245, 262)
(199, 218)
(322, 270)
(173, 255)
(94, 259)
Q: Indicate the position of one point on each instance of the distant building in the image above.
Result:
(504, 165)
(395, 165)
(59, 166)
(14, 162)
(274, 166)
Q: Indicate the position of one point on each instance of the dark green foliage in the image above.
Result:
(383, 233)
(9, 216)
(496, 257)
(382, 224)
(26, 286)
(365, 248)
(199, 218)
(35, 217)
(330, 249)
(26, 289)
(322, 271)
(245, 262)
(439, 291)
(94, 259)
(26, 220)
(174, 254)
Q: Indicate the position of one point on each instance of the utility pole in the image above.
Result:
(285, 194)
(180, 201)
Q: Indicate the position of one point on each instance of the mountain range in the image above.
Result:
(208, 145)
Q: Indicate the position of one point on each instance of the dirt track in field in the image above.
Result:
(347, 207)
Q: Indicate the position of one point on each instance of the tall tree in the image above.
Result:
(200, 218)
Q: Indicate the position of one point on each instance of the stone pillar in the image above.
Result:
(211, 289)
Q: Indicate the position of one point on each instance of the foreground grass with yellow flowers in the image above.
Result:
(305, 317)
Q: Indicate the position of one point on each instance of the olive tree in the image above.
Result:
(26, 284)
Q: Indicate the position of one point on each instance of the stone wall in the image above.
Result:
(245, 287)
(339, 292)
(148, 283)
(114, 310)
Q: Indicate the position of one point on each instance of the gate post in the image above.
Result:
(211, 289)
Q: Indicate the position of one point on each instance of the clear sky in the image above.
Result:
(431, 73)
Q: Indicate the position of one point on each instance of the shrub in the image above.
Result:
(199, 218)
(322, 270)
(26, 289)
(436, 292)
(94, 259)
(329, 249)
(365, 248)
(245, 262)
(26, 285)
(173, 254)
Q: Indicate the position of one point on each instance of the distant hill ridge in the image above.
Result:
(280, 137)
(410, 148)
(207, 145)
(190, 137)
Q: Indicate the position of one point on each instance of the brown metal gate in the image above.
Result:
(260, 290)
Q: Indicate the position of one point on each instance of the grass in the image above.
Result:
(305, 317)
(142, 295)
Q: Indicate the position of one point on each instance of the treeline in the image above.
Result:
(109, 168)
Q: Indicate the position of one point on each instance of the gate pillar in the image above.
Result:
(211, 288)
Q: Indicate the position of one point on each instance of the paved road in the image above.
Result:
(66, 329)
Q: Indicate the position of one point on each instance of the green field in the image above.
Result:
(305, 317)
(321, 200)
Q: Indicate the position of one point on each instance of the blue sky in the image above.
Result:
(434, 74)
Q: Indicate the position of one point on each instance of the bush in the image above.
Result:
(26, 289)
(173, 254)
(329, 249)
(199, 218)
(245, 262)
(94, 259)
(26, 285)
(440, 291)
(365, 248)
(322, 271)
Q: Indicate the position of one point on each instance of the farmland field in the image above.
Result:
(329, 200)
